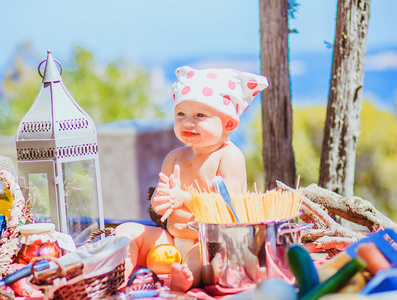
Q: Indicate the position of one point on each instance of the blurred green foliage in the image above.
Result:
(107, 93)
(20, 88)
(376, 163)
(376, 160)
(119, 91)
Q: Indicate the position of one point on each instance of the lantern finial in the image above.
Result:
(51, 73)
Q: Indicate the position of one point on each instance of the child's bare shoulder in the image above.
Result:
(175, 155)
(178, 152)
(231, 151)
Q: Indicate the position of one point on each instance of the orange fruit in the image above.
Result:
(161, 257)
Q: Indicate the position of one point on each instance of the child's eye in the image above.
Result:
(180, 114)
(200, 115)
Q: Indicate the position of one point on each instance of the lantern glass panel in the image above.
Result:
(81, 198)
(38, 187)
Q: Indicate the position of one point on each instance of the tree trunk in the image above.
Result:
(278, 156)
(341, 129)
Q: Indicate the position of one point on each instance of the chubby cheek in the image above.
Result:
(212, 129)
(177, 131)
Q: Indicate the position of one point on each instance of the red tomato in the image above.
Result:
(22, 261)
(49, 249)
(28, 252)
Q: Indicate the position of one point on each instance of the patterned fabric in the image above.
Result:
(228, 91)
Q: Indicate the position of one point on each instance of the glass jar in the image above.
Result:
(38, 239)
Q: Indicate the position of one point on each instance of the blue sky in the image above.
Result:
(220, 33)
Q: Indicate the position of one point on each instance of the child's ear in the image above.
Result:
(231, 124)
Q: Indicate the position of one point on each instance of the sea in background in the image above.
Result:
(310, 76)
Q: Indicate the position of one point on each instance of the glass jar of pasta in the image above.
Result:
(38, 239)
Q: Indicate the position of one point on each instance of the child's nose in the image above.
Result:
(190, 122)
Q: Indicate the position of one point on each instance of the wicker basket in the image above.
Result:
(92, 288)
(74, 285)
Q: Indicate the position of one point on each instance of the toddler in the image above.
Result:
(207, 107)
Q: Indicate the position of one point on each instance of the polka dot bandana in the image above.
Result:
(228, 91)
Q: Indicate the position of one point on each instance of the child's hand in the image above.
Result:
(163, 201)
(169, 193)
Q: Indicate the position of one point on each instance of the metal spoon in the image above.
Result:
(220, 186)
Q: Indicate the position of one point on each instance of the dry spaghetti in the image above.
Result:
(251, 207)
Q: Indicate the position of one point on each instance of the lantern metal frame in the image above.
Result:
(54, 132)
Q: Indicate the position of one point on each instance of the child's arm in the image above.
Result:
(233, 170)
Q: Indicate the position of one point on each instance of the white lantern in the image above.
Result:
(58, 160)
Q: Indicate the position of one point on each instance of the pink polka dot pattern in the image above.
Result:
(185, 90)
(231, 84)
(226, 90)
(226, 100)
(255, 93)
(212, 75)
(190, 74)
(252, 84)
(207, 91)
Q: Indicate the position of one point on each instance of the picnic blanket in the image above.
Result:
(213, 292)
(207, 293)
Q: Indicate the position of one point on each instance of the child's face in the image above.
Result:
(199, 125)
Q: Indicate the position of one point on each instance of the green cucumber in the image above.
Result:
(337, 281)
(302, 266)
